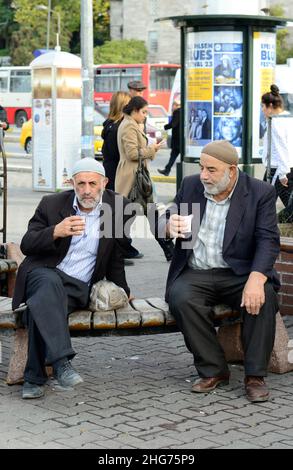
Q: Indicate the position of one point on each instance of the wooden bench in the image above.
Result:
(141, 316)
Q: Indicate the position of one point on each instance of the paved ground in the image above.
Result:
(136, 393)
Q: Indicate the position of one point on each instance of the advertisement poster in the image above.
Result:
(264, 61)
(42, 130)
(68, 110)
(214, 94)
(68, 138)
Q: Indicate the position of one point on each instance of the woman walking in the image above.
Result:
(281, 141)
(132, 142)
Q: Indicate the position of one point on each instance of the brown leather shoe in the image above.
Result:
(209, 383)
(256, 389)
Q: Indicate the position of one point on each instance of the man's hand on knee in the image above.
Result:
(253, 296)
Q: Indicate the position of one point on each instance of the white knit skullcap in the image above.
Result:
(88, 164)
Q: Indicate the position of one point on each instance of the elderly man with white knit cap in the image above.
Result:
(65, 254)
(231, 261)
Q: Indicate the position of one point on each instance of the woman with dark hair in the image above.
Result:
(281, 151)
(133, 142)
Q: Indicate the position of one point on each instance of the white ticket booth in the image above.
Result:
(56, 118)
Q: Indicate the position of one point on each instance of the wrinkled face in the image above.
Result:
(89, 187)
(140, 115)
(215, 175)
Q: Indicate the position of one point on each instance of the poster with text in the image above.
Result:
(264, 62)
(214, 71)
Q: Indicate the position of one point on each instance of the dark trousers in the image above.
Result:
(283, 192)
(192, 297)
(51, 295)
(173, 155)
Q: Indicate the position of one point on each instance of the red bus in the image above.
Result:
(16, 94)
(109, 78)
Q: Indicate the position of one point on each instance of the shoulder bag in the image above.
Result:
(142, 189)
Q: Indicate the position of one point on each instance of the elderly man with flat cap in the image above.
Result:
(66, 253)
(231, 261)
(136, 88)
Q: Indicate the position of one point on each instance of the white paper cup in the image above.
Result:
(188, 221)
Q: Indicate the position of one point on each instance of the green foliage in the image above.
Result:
(31, 26)
(101, 10)
(6, 23)
(277, 10)
(283, 50)
(127, 51)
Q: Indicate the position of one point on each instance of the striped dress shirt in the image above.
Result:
(208, 248)
(80, 259)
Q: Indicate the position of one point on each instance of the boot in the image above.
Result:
(167, 246)
(164, 172)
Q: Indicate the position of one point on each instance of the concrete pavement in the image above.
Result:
(136, 390)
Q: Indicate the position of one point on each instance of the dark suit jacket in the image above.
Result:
(251, 239)
(42, 251)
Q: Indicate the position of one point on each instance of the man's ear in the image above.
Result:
(71, 181)
(106, 181)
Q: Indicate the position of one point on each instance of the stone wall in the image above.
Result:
(284, 266)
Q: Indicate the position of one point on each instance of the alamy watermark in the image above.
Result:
(117, 222)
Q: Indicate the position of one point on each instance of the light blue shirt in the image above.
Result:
(80, 259)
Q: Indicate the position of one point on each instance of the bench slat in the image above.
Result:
(128, 317)
(150, 316)
(7, 320)
(159, 303)
(80, 320)
(104, 320)
(5, 304)
(8, 317)
(8, 265)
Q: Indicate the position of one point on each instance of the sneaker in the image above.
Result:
(164, 172)
(30, 391)
(66, 375)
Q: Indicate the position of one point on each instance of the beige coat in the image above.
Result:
(131, 139)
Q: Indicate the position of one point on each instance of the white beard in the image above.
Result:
(219, 187)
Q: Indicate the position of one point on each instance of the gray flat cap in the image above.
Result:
(136, 85)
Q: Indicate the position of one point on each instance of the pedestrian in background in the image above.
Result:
(110, 149)
(3, 119)
(174, 124)
(111, 156)
(281, 140)
(132, 143)
(136, 88)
